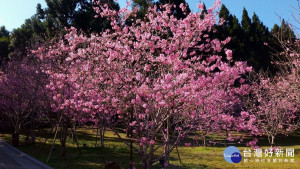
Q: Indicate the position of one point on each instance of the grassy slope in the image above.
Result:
(195, 157)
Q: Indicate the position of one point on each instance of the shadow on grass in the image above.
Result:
(158, 166)
(92, 158)
(89, 157)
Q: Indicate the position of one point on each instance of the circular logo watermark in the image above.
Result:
(232, 155)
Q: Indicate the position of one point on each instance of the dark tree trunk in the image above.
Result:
(147, 159)
(74, 132)
(131, 142)
(146, 162)
(32, 137)
(63, 140)
(102, 133)
(27, 139)
(15, 139)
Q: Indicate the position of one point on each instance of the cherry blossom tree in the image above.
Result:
(158, 78)
(23, 99)
(275, 101)
(63, 91)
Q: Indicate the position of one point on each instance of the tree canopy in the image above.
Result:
(4, 42)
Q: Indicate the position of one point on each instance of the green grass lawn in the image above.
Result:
(191, 157)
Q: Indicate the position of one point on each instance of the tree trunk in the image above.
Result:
(127, 133)
(272, 140)
(63, 140)
(102, 133)
(27, 140)
(166, 149)
(131, 141)
(97, 132)
(226, 138)
(144, 161)
(178, 155)
(63, 148)
(147, 164)
(74, 132)
(166, 157)
(147, 158)
(166, 146)
(15, 139)
(32, 137)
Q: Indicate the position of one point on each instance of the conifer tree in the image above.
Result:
(176, 10)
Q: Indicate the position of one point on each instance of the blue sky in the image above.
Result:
(14, 12)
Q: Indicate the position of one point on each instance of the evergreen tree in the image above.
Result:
(248, 39)
(50, 23)
(142, 6)
(4, 42)
(225, 14)
(4, 32)
(176, 11)
(77, 13)
(283, 32)
(231, 28)
(40, 12)
(260, 56)
(38, 28)
(204, 11)
(224, 30)
(275, 29)
(246, 21)
(84, 19)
